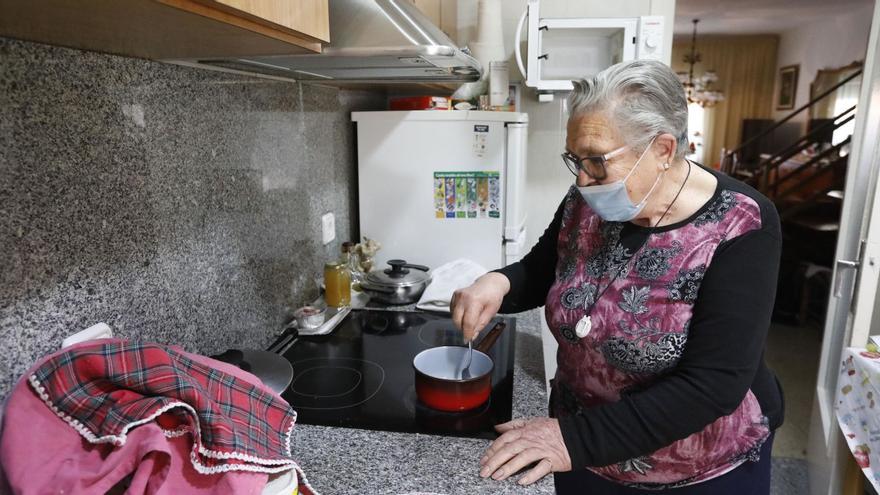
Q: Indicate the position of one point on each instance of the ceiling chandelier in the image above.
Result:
(699, 89)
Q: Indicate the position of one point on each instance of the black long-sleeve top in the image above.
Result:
(723, 356)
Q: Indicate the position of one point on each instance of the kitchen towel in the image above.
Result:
(447, 279)
(156, 418)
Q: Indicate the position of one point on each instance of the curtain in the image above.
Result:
(746, 68)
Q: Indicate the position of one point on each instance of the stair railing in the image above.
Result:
(730, 161)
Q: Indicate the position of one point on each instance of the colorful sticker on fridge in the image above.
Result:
(472, 197)
(460, 197)
(439, 197)
(450, 197)
(482, 196)
(494, 197)
(467, 195)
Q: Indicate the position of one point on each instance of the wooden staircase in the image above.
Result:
(805, 180)
(803, 173)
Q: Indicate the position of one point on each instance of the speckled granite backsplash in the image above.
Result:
(177, 205)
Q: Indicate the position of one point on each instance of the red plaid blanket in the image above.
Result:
(106, 388)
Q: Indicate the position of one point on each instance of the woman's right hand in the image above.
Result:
(474, 306)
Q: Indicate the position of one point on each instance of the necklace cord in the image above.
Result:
(620, 269)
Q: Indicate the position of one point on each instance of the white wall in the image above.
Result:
(826, 44)
(547, 178)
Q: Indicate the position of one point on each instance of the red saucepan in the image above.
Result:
(439, 381)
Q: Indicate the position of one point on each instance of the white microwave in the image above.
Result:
(564, 49)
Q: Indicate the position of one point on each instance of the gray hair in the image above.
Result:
(643, 97)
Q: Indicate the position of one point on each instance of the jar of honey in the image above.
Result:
(337, 285)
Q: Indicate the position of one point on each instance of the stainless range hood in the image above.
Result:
(371, 41)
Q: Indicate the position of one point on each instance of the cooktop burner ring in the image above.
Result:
(329, 365)
(315, 369)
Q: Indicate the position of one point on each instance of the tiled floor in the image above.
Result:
(793, 353)
(789, 477)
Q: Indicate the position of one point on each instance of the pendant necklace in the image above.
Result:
(585, 324)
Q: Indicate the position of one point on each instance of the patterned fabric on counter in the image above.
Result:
(858, 412)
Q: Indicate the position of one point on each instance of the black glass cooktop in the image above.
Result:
(361, 375)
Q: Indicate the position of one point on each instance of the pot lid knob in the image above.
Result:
(399, 268)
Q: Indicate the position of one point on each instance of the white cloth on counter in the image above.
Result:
(447, 279)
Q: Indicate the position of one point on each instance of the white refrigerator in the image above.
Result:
(435, 186)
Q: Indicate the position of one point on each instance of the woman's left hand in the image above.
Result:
(523, 442)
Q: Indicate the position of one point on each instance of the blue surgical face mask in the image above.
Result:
(611, 201)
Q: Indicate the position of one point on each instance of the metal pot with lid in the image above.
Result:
(402, 283)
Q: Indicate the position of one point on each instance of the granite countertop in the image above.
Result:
(353, 461)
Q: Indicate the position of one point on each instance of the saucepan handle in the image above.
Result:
(398, 267)
(417, 267)
(490, 338)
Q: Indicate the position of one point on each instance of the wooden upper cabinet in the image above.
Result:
(305, 17)
(443, 13)
(172, 29)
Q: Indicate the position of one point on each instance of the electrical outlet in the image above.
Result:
(99, 331)
(328, 228)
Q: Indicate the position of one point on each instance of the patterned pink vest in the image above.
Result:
(640, 328)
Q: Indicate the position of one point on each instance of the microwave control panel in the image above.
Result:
(650, 38)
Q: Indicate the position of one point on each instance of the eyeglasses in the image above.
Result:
(593, 165)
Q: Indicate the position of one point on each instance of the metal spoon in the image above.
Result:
(466, 372)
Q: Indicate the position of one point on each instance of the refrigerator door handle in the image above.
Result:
(515, 179)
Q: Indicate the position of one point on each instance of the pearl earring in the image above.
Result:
(666, 166)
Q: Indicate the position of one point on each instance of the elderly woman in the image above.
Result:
(658, 278)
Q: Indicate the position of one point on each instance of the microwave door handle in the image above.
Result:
(518, 41)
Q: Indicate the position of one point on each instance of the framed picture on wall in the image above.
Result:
(788, 80)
